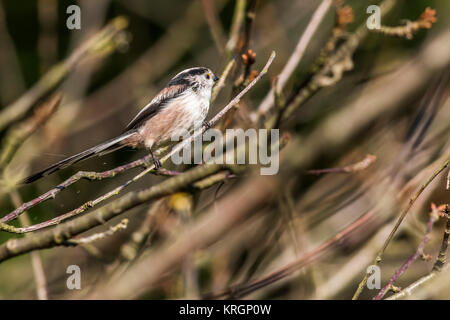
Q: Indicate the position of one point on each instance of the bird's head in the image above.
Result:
(198, 78)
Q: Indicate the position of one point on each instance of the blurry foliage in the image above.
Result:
(278, 26)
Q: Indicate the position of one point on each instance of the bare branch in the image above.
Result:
(419, 251)
(439, 266)
(63, 232)
(98, 236)
(296, 56)
(425, 21)
(442, 256)
(238, 19)
(361, 165)
(402, 216)
(218, 87)
(91, 176)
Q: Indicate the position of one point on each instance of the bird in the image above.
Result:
(181, 105)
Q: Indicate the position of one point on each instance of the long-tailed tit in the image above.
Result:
(181, 105)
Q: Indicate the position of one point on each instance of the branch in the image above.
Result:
(361, 165)
(433, 218)
(63, 232)
(440, 264)
(130, 249)
(223, 77)
(98, 236)
(442, 256)
(417, 284)
(295, 58)
(91, 176)
(241, 47)
(402, 216)
(333, 69)
(425, 21)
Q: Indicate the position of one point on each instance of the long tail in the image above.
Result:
(99, 150)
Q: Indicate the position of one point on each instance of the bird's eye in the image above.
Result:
(208, 76)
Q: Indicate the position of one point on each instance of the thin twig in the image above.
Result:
(219, 86)
(361, 165)
(57, 236)
(343, 17)
(295, 58)
(425, 21)
(417, 284)
(238, 19)
(336, 64)
(98, 236)
(439, 266)
(402, 216)
(442, 256)
(70, 214)
(240, 49)
(130, 249)
(91, 176)
(419, 251)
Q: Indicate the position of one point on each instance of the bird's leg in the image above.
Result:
(156, 161)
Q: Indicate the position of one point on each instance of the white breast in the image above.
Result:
(177, 119)
(196, 105)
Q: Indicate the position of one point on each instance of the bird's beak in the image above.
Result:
(215, 78)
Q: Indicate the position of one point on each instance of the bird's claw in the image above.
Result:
(207, 125)
(157, 163)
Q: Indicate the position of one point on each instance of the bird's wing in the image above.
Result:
(150, 110)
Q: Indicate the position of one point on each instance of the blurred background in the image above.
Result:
(300, 224)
